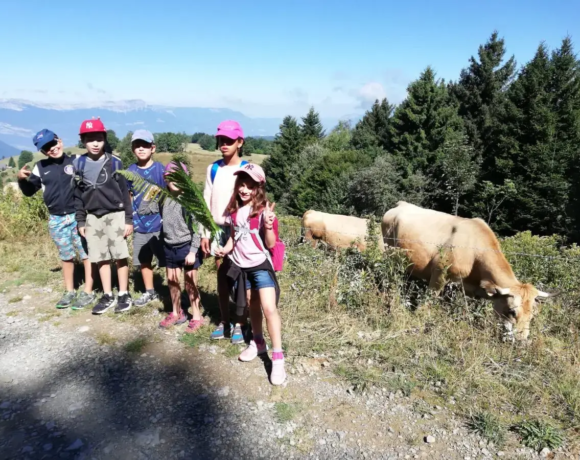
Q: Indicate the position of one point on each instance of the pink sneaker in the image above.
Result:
(252, 352)
(173, 320)
(278, 375)
(193, 326)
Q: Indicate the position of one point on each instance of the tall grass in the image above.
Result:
(21, 216)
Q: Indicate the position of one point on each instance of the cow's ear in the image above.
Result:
(486, 290)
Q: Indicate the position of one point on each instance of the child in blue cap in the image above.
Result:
(54, 176)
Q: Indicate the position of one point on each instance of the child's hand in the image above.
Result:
(205, 246)
(128, 230)
(190, 258)
(24, 173)
(220, 252)
(82, 231)
(269, 216)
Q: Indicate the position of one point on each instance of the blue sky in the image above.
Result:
(265, 58)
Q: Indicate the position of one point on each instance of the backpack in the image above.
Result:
(215, 166)
(115, 164)
(276, 254)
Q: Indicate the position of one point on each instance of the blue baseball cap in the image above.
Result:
(41, 138)
(143, 135)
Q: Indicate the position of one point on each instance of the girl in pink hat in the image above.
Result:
(254, 233)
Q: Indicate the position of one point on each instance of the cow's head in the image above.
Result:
(516, 306)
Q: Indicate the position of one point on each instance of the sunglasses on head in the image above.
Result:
(48, 147)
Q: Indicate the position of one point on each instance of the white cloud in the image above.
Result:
(369, 93)
(135, 124)
(159, 120)
(6, 128)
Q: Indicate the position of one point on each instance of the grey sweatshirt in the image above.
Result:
(176, 231)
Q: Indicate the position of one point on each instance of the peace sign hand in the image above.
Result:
(269, 216)
(24, 173)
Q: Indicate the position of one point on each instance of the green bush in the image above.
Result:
(21, 216)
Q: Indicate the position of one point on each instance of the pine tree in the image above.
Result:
(287, 146)
(373, 130)
(526, 152)
(565, 89)
(11, 162)
(481, 87)
(423, 121)
(311, 128)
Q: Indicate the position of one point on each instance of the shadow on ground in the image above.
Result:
(107, 403)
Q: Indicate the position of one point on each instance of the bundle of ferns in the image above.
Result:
(190, 196)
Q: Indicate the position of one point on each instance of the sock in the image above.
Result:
(123, 292)
(110, 294)
(150, 291)
(259, 339)
(277, 353)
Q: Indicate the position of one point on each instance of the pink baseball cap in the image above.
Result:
(254, 171)
(172, 166)
(231, 129)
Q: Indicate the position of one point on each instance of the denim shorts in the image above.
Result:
(259, 280)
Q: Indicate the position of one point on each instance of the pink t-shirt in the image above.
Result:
(245, 254)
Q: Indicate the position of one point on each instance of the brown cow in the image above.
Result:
(443, 247)
(336, 230)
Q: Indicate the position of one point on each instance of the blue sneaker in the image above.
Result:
(238, 335)
(220, 331)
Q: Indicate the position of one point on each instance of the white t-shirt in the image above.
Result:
(218, 195)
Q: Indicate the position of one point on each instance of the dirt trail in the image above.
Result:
(73, 385)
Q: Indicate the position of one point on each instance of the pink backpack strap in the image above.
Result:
(255, 225)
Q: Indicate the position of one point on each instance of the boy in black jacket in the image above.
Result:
(53, 175)
(104, 213)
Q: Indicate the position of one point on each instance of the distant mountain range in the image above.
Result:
(20, 120)
(7, 150)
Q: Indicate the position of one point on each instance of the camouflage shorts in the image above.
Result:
(64, 233)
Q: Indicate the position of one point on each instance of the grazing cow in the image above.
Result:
(336, 230)
(443, 247)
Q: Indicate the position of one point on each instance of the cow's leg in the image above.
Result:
(308, 236)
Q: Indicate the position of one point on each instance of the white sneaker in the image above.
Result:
(251, 352)
(278, 375)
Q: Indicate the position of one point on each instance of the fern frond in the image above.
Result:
(191, 198)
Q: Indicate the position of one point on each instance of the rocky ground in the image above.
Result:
(76, 386)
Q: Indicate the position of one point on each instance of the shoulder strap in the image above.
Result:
(214, 169)
(115, 163)
(243, 163)
(81, 163)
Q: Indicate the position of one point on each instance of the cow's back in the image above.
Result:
(337, 230)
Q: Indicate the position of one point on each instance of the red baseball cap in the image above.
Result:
(92, 126)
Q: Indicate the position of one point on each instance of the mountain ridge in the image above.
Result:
(21, 119)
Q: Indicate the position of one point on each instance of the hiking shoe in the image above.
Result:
(173, 320)
(220, 332)
(66, 300)
(146, 298)
(193, 326)
(251, 352)
(83, 300)
(278, 375)
(124, 303)
(237, 335)
(105, 302)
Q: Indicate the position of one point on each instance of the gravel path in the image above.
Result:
(67, 393)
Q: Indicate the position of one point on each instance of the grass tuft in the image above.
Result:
(285, 412)
(15, 299)
(136, 345)
(489, 427)
(538, 434)
(12, 313)
(104, 338)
